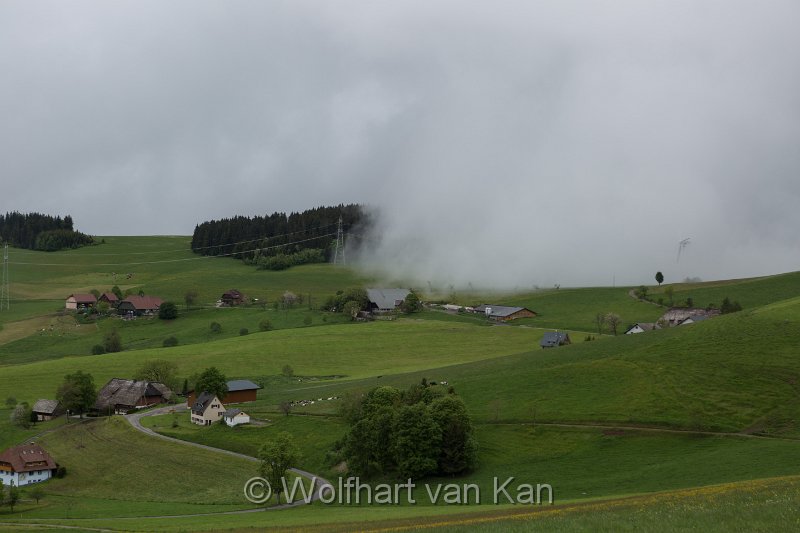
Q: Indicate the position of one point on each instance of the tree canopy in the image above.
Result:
(414, 433)
(36, 231)
(213, 381)
(77, 393)
(277, 456)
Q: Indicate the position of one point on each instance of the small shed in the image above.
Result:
(553, 339)
(45, 409)
(235, 417)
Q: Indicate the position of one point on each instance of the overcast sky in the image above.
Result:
(505, 143)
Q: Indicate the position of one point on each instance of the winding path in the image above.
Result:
(135, 420)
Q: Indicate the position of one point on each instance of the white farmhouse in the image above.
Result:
(207, 409)
(25, 464)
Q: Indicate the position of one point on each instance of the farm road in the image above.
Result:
(136, 421)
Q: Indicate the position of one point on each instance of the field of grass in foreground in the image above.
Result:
(114, 470)
(757, 505)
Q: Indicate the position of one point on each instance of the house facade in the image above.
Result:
(26, 464)
(79, 301)
(207, 409)
(235, 417)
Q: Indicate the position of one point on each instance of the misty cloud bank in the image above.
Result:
(504, 145)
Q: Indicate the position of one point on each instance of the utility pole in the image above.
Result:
(338, 256)
(5, 297)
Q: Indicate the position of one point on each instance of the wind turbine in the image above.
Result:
(681, 245)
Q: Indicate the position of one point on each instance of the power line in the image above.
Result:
(339, 255)
(5, 292)
(193, 249)
(185, 258)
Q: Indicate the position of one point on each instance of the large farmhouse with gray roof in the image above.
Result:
(123, 395)
(386, 300)
(139, 305)
(504, 313)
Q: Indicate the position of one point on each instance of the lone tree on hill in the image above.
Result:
(277, 456)
(613, 320)
(659, 278)
(190, 298)
(21, 416)
(112, 341)
(213, 381)
(77, 392)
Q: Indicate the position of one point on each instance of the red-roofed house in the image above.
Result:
(80, 301)
(26, 464)
(110, 298)
(139, 305)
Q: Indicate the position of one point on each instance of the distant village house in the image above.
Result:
(110, 298)
(26, 464)
(45, 409)
(503, 313)
(641, 327)
(139, 305)
(386, 300)
(553, 339)
(676, 315)
(80, 301)
(232, 297)
(120, 396)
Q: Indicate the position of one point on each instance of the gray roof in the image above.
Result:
(647, 326)
(387, 298)
(230, 413)
(553, 338)
(128, 392)
(46, 407)
(202, 402)
(498, 310)
(241, 384)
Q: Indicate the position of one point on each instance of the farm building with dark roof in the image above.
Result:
(552, 339)
(123, 395)
(139, 305)
(504, 313)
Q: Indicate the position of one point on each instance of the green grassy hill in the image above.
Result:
(609, 418)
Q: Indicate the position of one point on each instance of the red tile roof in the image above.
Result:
(110, 296)
(83, 298)
(27, 458)
(144, 302)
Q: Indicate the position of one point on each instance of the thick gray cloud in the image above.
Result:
(505, 144)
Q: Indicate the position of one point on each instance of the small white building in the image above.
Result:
(235, 417)
(641, 327)
(25, 464)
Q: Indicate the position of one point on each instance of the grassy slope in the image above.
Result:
(355, 350)
(114, 470)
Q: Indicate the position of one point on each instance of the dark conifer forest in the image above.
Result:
(35, 231)
(277, 241)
